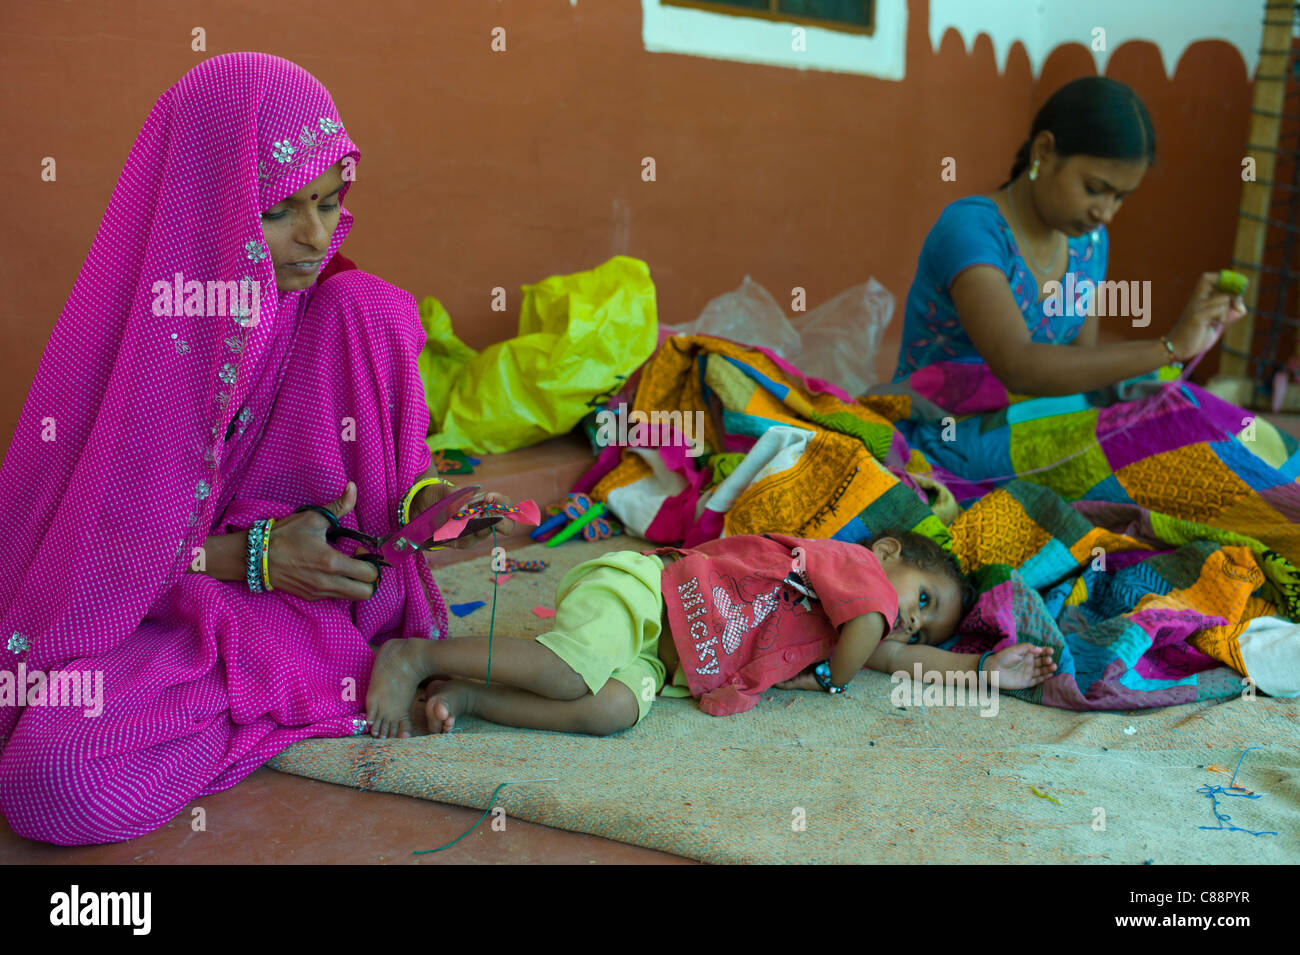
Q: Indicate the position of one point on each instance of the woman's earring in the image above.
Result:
(1033, 171)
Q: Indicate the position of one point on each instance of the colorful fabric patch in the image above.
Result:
(1118, 535)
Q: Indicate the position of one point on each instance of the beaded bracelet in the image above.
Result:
(266, 555)
(1170, 345)
(253, 557)
(484, 509)
(822, 673)
(404, 508)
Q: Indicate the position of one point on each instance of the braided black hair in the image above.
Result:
(1092, 116)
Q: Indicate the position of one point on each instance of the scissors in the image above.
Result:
(414, 536)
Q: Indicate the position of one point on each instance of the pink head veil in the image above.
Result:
(112, 473)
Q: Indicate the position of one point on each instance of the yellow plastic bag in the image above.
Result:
(443, 359)
(580, 336)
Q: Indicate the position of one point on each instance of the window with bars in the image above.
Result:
(850, 16)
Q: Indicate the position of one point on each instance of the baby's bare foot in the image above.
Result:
(400, 666)
(446, 701)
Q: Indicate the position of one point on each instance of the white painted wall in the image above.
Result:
(1043, 25)
(721, 36)
(1040, 25)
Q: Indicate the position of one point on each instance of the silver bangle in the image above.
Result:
(253, 556)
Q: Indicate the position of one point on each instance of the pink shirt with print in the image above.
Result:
(748, 612)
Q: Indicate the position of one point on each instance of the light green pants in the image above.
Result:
(607, 624)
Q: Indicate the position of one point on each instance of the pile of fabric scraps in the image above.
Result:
(454, 462)
(1138, 539)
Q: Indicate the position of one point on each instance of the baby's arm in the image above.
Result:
(859, 639)
(1018, 666)
(894, 655)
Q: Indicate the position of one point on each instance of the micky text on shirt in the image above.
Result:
(693, 606)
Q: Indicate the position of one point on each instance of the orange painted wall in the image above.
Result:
(482, 169)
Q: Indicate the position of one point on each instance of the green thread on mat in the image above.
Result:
(492, 624)
(491, 802)
(422, 852)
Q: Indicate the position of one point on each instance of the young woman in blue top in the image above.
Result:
(981, 291)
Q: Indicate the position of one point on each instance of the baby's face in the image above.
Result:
(929, 603)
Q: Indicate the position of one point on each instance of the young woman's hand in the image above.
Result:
(1021, 665)
(1208, 311)
(301, 562)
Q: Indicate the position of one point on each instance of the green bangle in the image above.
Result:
(266, 555)
(404, 509)
(979, 667)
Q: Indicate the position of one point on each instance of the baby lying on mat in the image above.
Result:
(723, 622)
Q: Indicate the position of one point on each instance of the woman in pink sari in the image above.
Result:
(162, 424)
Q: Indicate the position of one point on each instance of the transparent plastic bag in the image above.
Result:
(841, 338)
(837, 341)
(750, 316)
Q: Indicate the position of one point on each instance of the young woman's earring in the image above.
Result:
(1033, 171)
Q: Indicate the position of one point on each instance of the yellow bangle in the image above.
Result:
(404, 510)
(266, 553)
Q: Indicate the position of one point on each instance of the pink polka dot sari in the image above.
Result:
(145, 433)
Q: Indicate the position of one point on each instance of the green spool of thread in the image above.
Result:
(1234, 283)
